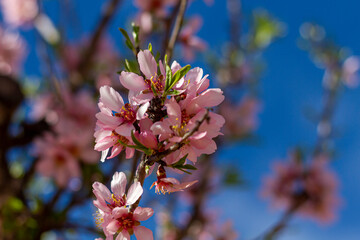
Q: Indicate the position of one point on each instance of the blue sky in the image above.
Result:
(290, 84)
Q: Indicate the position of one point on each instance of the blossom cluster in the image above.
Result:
(70, 137)
(114, 213)
(167, 118)
(313, 187)
(159, 113)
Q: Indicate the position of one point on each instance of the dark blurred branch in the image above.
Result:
(168, 24)
(105, 19)
(325, 122)
(199, 198)
(281, 224)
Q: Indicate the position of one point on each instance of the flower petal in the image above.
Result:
(143, 233)
(148, 65)
(132, 81)
(118, 184)
(111, 98)
(142, 214)
(135, 191)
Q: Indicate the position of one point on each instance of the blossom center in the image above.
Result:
(127, 113)
(117, 201)
(156, 82)
(127, 222)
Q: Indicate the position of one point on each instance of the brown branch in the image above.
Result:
(176, 30)
(281, 224)
(202, 188)
(96, 37)
(168, 23)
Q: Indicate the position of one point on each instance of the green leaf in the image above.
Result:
(176, 77)
(129, 45)
(150, 48)
(185, 171)
(173, 92)
(147, 169)
(180, 162)
(128, 41)
(188, 166)
(145, 150)
(168, 79)
(131, 66)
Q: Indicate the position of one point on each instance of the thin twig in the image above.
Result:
(96, 37)
(176, 30)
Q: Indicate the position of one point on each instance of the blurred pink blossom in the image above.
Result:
(189, 41)
(19, 12)
(72, 121)
(315, 182)
(241, 119)
(12, 52)
(107, 201)
(157, 7)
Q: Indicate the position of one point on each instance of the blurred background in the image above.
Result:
(289, 74)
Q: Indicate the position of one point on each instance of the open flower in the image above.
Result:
(140, 89)
(115, 123)
(127, 223)
(107, 201)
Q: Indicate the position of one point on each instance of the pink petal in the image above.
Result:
(175, 66)
(111, 98)
(118, 212)
(132, 81)
(108, 120)
(142, 214)
(210, 98)
(101, 190)
(143, 233)
(141, 113)
(174, 112)
(129, 153)
(147, 63)
(124, 235)
(134, 192)
(104, 144)
(113, 227)
(125, 129)
(115, 151)
(118, 184)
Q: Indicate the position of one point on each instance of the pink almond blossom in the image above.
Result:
(127, 223)
(191, 43)
(114, 124)
(12, 51)
(19, 12)
(157, 7)
(315, 182)
(107, 201)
